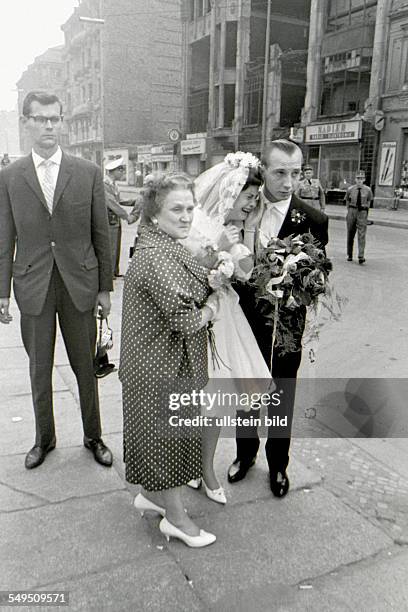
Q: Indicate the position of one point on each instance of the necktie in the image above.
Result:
(358, 201)
(48, 184)
(310, 182)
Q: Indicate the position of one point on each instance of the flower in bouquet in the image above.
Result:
(223, 271)
(291, 273)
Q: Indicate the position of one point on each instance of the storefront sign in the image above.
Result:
(387, 163)
(144, 154)
(163, 157)
(198, 135)
(193, 146)
(165, 149)
(341, 131)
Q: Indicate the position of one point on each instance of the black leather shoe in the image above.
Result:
(279, 482)
(100, 451)
(361, 260)
(349, 258)
(238, 470)
(37, 454)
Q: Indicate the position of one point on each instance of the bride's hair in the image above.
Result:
(155, 194)
(254, 178)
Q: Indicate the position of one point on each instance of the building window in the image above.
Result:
(253, 94)
(198, 111)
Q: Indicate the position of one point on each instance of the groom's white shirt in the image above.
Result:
(272, 219)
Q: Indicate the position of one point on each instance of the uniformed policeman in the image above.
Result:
(114, 172)
(311, 190)
(358, 199)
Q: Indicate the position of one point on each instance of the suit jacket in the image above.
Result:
(301, 218)
(75, 237)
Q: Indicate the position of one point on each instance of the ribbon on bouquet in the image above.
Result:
(215, 356)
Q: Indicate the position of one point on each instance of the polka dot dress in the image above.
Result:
(163, 352)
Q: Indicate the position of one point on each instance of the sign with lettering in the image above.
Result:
(387, 164)
(193, 146)
(339, 131)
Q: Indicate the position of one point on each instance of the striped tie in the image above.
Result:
(48, 184)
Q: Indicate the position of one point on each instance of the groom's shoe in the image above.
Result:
(238, 470)
(100, 451)
(37, 454)
(279, 482)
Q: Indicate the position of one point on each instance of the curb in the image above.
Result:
(384, 222)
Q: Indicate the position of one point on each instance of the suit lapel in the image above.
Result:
(64, 175)
(31, 178)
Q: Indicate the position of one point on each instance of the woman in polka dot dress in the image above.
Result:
(166, 308)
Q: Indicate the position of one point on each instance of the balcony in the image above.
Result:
(348, 39)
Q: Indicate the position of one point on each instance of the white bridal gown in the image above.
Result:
(240, 359)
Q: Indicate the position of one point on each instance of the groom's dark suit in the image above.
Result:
(284, 367)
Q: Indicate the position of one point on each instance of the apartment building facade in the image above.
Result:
(123, 79)
(45, 73)
(236, 95)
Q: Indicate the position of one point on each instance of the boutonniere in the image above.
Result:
(297, 216)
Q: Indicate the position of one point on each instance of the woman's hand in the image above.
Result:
(229, 237)
(253, 219)
(210, 309)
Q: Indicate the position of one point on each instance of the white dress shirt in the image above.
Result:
(40, 168)
(272, 219)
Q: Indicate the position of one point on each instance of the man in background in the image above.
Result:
(311, 191)
(115, 170)
(358, 199)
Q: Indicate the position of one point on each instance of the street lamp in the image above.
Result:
(100, 22)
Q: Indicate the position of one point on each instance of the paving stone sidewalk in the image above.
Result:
(337, 542)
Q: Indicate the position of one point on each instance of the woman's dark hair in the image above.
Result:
(42, 97)
(154, 195)
(254, 178)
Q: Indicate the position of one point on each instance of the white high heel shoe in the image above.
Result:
(170, 531)
(217, 495)
(195, 483)
(143, 504)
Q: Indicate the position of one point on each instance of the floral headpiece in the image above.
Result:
(245, 160)
(218, 188)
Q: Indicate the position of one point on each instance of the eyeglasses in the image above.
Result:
(43, 121)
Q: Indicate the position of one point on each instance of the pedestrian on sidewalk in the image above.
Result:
(114, 172)
(311, 190)
(53, 215)
(358, 199)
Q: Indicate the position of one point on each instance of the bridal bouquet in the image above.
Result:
(223, 271)
(293, 273)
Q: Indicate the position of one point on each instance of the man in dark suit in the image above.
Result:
(281, 214)
(53, 222)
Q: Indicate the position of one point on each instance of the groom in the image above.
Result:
(281, 214)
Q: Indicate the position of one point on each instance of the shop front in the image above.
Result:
(334, 151)
(144, 161)
(163, 158)
(194, 153)
(392, 174)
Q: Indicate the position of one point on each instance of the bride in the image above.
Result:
(226, 194)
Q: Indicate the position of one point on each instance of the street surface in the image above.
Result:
(337, 542)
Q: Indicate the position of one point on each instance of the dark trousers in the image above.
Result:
(115, 232)
(356, 222)
(284, 369)
(284, 372)
(79, 333)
